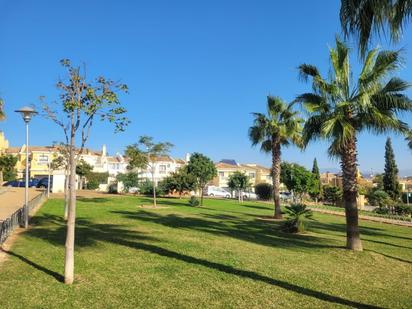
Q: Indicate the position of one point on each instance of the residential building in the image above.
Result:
(256, 173)
(163, 166)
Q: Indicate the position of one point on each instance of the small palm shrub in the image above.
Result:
(297, 216)
(194, 201)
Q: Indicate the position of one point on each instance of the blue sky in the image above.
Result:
(195, 69)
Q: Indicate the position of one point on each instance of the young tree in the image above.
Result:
(129, 180)
(180, 182)
(203, 169)
(340, 110)
(316, 190)
(332, 194)
(239, 182)
(7, 168)
(296, 178)
(146, 158)
(279, 128)
(363, 18)
(390, 177)
(83, 102)
(83, 169)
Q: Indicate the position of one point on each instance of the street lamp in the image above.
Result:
(27, 113)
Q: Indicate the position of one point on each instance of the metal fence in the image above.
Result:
(17, 218)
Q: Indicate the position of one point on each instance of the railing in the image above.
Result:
(8, 225)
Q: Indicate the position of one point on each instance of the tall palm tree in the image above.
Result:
(365, 17)
(339, 109)
(280, 127)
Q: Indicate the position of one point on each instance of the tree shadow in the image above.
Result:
(116, 235)
(254, 231)
(92, 199)
(43, 269)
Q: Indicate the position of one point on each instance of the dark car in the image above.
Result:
(20, 183)
(44, 182)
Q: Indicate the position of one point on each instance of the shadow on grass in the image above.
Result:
(88, 233)
(254, 231)
(47, 271)
(92, 199)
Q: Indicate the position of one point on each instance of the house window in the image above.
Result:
(42, 159)
(162, 169)
(221, 174)
(252, 175)
(268, 177)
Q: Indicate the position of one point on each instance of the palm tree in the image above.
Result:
(340, 109)
(409, 139)
(365, 17)
(2, 114)
(280, 127)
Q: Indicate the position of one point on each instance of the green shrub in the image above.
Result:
(93, 184)
(297, 217)
(382, 210)
(379, 198)
(264, 191)
(146, 188)
(194, 201)
(403, 209)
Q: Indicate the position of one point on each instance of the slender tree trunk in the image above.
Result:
(66, 193)
(350, 193)
(239, 198)
(69, 258)
(276, 176)
(154, 190)
(201, 195)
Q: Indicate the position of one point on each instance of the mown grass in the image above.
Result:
(220, 255)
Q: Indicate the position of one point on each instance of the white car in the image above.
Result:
(247, 195)
(213, 191)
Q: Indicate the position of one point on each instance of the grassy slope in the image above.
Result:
(220, 255)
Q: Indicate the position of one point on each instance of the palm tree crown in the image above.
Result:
(365, 17)
(281, 123)
(339, 109)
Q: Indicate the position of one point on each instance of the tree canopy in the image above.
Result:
(203, 169)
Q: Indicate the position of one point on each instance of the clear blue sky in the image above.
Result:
(195, 69)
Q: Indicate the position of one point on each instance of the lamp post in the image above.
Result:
(27, 113)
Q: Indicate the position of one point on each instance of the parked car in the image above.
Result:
(44, 182)
(247, 195)
(213, 191)
(285, 196)
(21, 183)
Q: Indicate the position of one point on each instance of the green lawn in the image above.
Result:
(221, 255)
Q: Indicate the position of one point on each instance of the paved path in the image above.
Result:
(11, 199)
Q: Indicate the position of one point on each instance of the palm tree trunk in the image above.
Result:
(350, 193)
(276, 176)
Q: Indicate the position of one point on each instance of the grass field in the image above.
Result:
(220, 255)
